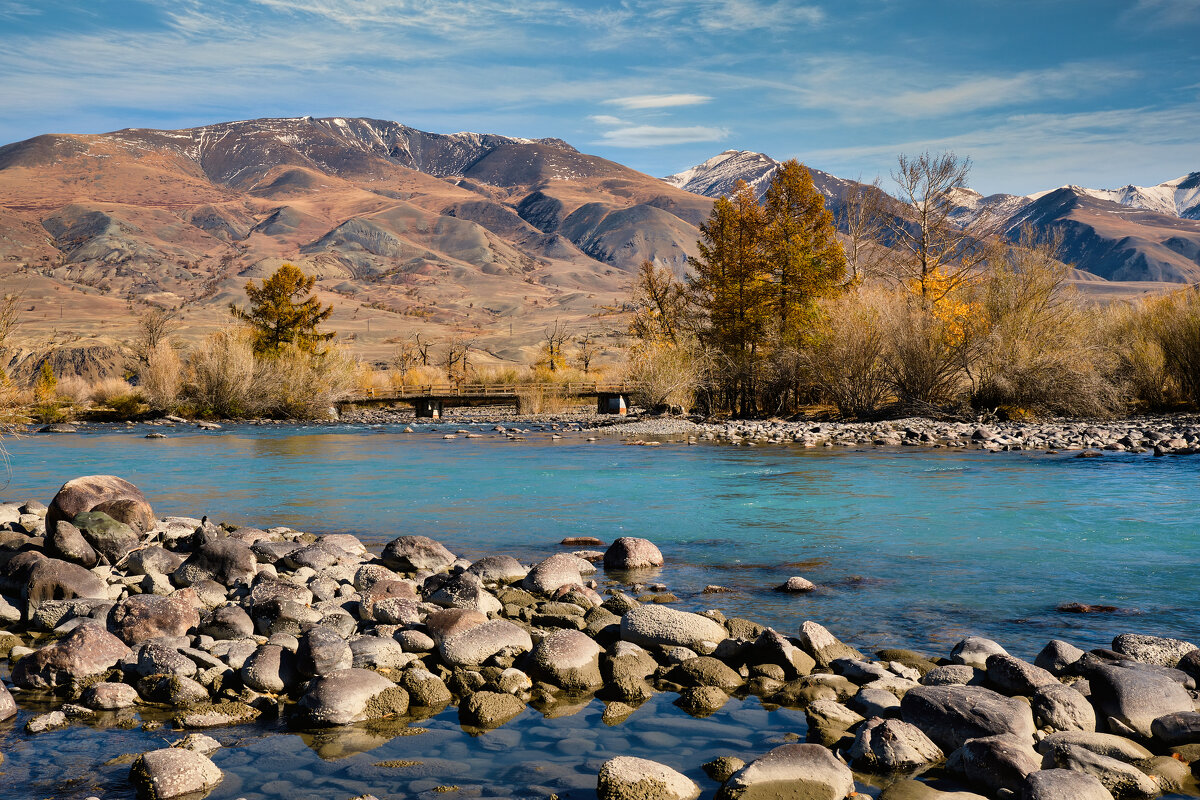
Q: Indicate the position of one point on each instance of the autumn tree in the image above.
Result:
(800, 250)
(660, 304)
(860, 218)
(586, 350)
(939, 254)
(554, 338)
(281, 315)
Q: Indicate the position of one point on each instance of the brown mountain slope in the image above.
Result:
(470, 234)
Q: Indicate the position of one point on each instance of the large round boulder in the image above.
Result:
(547, 575)
(225, 561)
(498, 569)
(173, 772)
(650, 625)
(809, 771)
(629, 552)
(1062, 708)
(110, 539)
(1132, 699)
(998, 764)
(86, 652)
(569, 659)
(1152, 649)
(146, 616)
(8, 706)
(950, 715)
(416, 554)
(116, 497)
(351, 695)
(1063, 784)
(630, 778)
(323, 651)
(52, 579)
(477, 644)
(65, 541)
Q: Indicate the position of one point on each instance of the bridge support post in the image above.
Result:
(611, 403)
(428, 407)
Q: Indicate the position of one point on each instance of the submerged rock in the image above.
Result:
(173, 772)
(352, 695)
(792, 770)
(630, 778)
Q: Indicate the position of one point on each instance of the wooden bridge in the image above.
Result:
(430, 399)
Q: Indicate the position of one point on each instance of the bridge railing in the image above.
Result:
(448, 390)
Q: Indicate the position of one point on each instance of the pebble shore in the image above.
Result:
(107, 610)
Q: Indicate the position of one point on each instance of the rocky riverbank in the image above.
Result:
(108, 611)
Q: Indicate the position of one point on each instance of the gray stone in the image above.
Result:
(823, 646)
(110, 540)
(465, 590)
(50, 721)
(974, 651)
(8, 706)
(874, 703)
(1057, 655)
(416, 554)
(651, 625)
(1134, 698)
(1118, 777)
(771, 647)
(706, 671)
(109, 696)
(629, 552)
(376, 652)
(1062, 708)
(425, 689)
(1063, 784)
(174, 772)
(479, 643)
(322, 651)
(1152, 649)
(1103, 744)
(52, 579)
(630, 778)
(829, 721)
(1012, 676)
(950, 715)
(487, 710)
(227, 622)
(352, 695)
(66, 542)
(806, 771)
(889, 745)
(498, 569)
(568, 659)
(270, 668)
(172, 690)
(226, 561)
(998, 763)
(547, 575)
(916, 790)
(796, 585)
(1180, 728)
(159, 659)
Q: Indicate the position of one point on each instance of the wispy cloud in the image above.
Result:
(659, 135)
(644, 101)
(1163, 13)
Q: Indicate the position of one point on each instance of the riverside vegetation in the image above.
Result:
(109, 613)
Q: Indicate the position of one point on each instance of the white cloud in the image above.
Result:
(1163, 13)
(659, 135)
(644, 101)
(606, 120)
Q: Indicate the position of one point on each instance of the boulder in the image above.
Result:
(110, 540)
(1133, 698)
(706, 671)
(66, 542)
(829, 721)
(323, 651)
(1056, 656)
(425, 689)
(1180, 728)
(998, 763)
(416, 554)
(84, 653)
(1063, 784)
(154, 658)
(629, 552)
(796, 585)
(771, 647)
(549, 574)
(227, 622)
(442, 625)
(889, 745)
(146, 616)
(1102, 744)
(950, 715)
(270, 668)
(1118, 777)
(109, 696)
(953, 675)
(630, 778)
(116, 497)
(1152, 649)
(498, 569)
(806, 771)
(351, 695)
(173, 772)
(465, 590)
(974, 651)
(823, 646)
(52, 579)
(568, 659)
(1012, 676)
(1062, 708)
(479, 643)
(651, 625)
(489, 710)
(226, 561)
(8, 706)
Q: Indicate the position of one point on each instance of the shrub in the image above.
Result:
(665, 376)
(1175, 325)
(161, 377)
(298, 384)
(222, 378)
(845, 360)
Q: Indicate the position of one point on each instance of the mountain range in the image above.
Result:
(488, 237)
(1135, 233)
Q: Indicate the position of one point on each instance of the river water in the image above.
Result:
(910, 548)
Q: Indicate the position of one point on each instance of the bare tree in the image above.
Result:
(407, 356)
(939, 254)
(554, 337)
(10, 316)
(660, 305)
(154, 327)
(456, 358)
(586, 350)
(422, 348)
(860, 217)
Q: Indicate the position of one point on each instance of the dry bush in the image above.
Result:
(161, 377)
(368, 379)
(499, 376)
(14, 405)
(1036, 347)
(416, 376)
(106, 392)
(845, 360)
(664, 376)
(541, 399)
(301, 385)
(78, 392)
(926, 352)
(222, 379)
(1175, 325)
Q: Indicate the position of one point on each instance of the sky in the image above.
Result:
(1039, 94)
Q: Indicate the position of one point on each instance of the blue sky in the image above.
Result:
(1094, 92)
